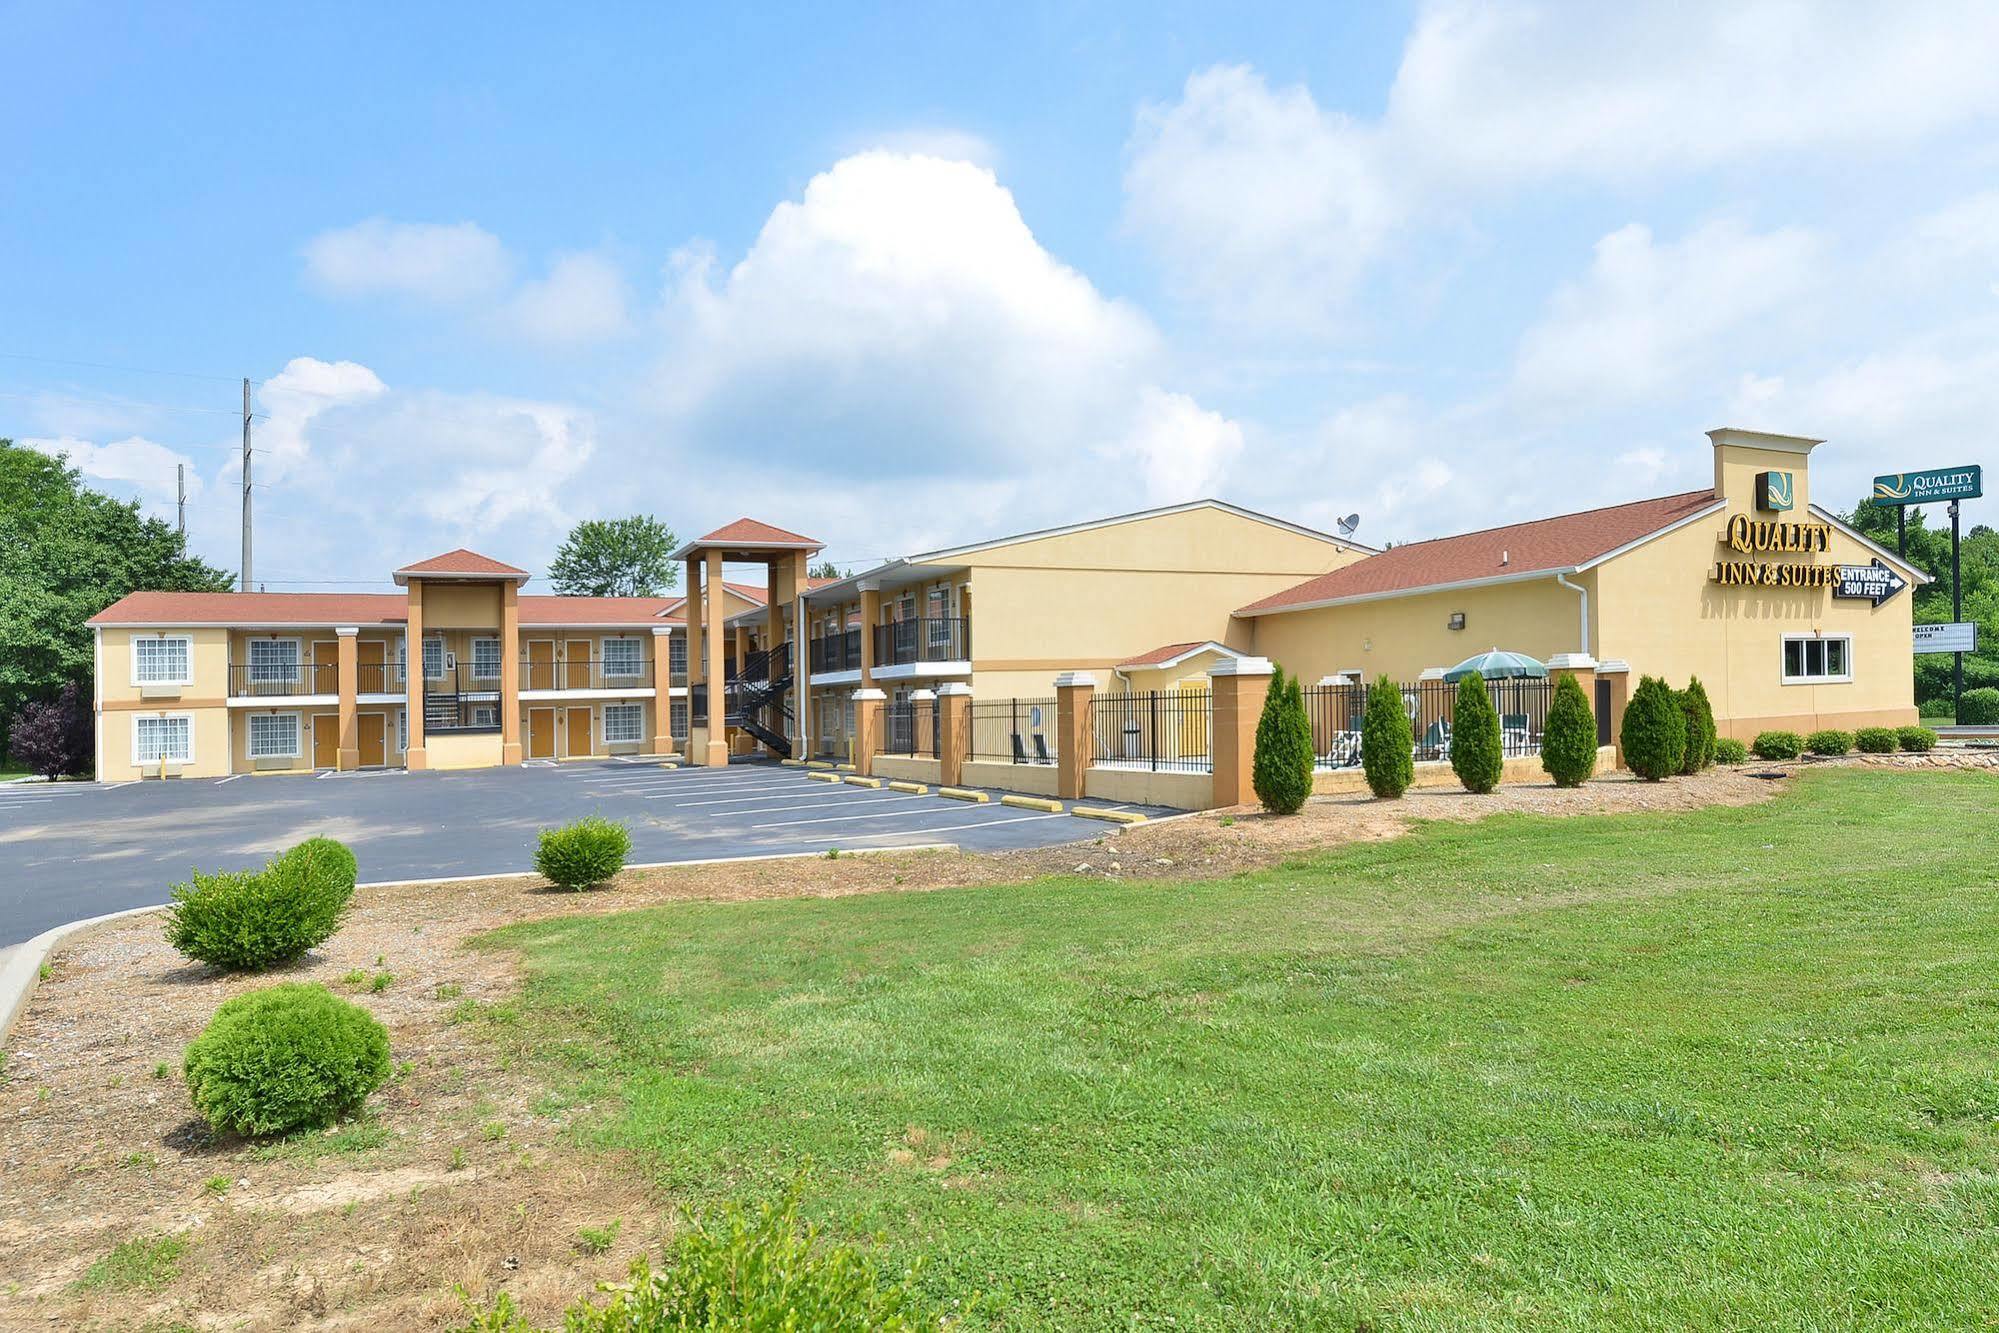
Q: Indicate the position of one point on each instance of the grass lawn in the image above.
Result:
(1737, 1069)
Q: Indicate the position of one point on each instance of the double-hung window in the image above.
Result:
(624, 722)
(274, 735)
(485, 659)
(1818, 659)
(170, 738)
(403, 729)
(162, 661)
(940, 618)
(274, 661)
(433, 659)
(623, 657)
(676, 717)
(676, 655)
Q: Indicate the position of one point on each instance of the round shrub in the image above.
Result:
(1728, 750)
(583, 854)
(1875, 740)
(1476, 756)
(1916, 740)
(1281, 769)
(1777, 745)
(1568, 746)
(1387, 742)
(1654, 734)
(292, 1056)
(1829, 741)
(1978, 708)
(249, 920)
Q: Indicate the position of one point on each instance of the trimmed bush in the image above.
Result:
(1654, 734)
(1875, 740)
(1568, 745)
(1281, 771)
(1387, 742)
(582, 855)
(1829, 741)
(1699, 715)
(1476, 756)
(746, 1271)
(1777, 745)
(287, 1057)
(250, 920)
(1978, 708)
(1916, 740)
(1728, 750)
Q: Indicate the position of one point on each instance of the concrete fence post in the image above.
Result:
(1239, 689)
(1075, 744)
(1618, 673)
(954, 731)
(661, 741)
(867, 729)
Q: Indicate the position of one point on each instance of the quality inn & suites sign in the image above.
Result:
(1874, 583)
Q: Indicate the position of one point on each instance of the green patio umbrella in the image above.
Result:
(1496, 665)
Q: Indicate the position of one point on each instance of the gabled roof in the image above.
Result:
(747, 535)
(317, 609)
(1173, 654)
(1519, 550)
(749, 592)
(461, 564)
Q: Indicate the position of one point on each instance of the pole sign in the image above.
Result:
(1875, 583)
(1955, 637)
(1921, 488)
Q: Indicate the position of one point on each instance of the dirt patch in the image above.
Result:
(461, 1175)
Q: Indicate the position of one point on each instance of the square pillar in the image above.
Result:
(714, 609)
(348, 754)
(954, 731)
(415, 759)
(775, 598)
(801, 652)
(1075, 693)
(871, 614)
(510, 672)
(662, 690)
(1239, 689)
(1618, 673)
(691, 613)
(867, 729)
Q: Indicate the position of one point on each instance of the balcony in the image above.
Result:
(282, 680)
(584, 673)
(836, 652)
(926, 639)
(457, 701)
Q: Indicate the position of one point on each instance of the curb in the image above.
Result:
(853, 781)
(963, 794)
(22, 971)
(1125, 817)
(913, 788)
(817, 776)
(1042, 803)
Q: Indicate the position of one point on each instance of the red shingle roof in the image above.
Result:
(255, 608)
(1167, 652)
(544, 609)
(1548, 544)
(750, 532)
(464, 562)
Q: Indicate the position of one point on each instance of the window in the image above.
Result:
(485, 715)
(940, 612)
(624, 722)
(622, 657)
(156, 738)
(676, 717)
(433, 659)
(403, 730)
(676, 655)
(274, 661)
(162, 661)
(485, 659)
(274, 735)
(1814, 659)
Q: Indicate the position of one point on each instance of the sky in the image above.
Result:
(910, 276)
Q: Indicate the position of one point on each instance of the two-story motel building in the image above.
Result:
(1733, 583)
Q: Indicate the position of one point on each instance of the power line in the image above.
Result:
(126, 402)
(129, 370)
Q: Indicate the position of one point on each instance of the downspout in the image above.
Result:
(1582, 611)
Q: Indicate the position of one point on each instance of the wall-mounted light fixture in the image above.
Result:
(1457, 620)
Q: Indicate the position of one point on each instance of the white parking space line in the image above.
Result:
(120, 786)
(750, 794)
(224, 781)
(886, 814)
(813, 805)
(977, 823)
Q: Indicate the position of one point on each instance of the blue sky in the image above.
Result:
(922, 275)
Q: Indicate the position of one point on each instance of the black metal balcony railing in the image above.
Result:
(925, 639)
(460, 701)
(584, 673)
(837, 652)
(271, 679)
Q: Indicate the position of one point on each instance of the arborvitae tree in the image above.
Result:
(1476, 756)
(1654, 735)
(1568, 746)
(1701, 733)
(1387, 742)
(1282, 771)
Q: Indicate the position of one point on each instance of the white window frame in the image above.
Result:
(1784, 651)
(477, 644)
(939, 602)
(676, 654)
(604, 723)
(482, 710)
(284, 677)
(438, 640)
(402, 731)
(676, 718)
(186, 642)
(638, 661)
(141, 761)
(250, 736)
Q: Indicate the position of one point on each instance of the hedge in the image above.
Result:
(1476, 755)
(1654, 734)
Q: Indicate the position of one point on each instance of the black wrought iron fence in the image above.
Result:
(1019, 731)
(910, 727)
(1154, 729)
(1336, 713)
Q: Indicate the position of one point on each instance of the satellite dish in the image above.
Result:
(1348, 524)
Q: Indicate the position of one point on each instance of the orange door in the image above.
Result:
(325, 740)
(373, 655)
(374, 739)
(578, 729)
(541, 733)
(325, 675)
(541, 664)
(576, 659)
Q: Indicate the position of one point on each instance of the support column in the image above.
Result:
(954, 731)
(348, 756)
(415, 758)
(867, 729)
(691, 613)
(1075, 747)
(1239, 688)
(510, 672)
(871, 614)
(662, 690)
(1618, 673)
(715, 608)
(776, 593)
(801, 652)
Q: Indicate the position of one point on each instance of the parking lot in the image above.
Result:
(75, 850)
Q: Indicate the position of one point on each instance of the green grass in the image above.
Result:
(309, 1145)
(1732, 1069)
(143, 1264)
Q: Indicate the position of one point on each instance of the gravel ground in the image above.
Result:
(461, 1175)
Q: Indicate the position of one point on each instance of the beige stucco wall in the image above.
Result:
(1033, 779)
(208, 657)
(1178, 791)
(905, 768)
(1141, 679)
(461, 606)
(461, 750)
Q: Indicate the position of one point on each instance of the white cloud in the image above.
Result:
(1183, 450)
(581, 300)
(950, 144)
(1648, 313)
(134, 466)
(304, 389)
(428, 261)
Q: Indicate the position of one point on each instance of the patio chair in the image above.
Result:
(1513, 730)
(1436, 740)
(1041, 755)
(1019, 750)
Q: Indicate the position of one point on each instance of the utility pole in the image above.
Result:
(1956, 614)
(246, 485)
(180, 487)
